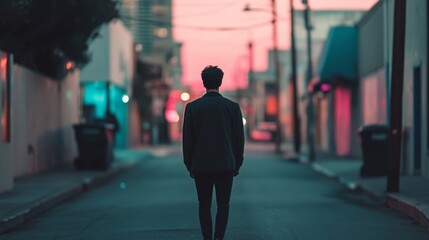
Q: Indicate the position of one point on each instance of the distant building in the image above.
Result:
(151, 25)
(364, 98)
(261, 82)
(106, 81)
(262, 103)
(335, 92)
(321, 21)
(375, 63)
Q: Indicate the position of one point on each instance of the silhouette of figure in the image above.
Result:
(112, 119)
(213, 146)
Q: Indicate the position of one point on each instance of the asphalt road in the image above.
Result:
(272, 199)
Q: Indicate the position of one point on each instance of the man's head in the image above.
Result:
(212, 77)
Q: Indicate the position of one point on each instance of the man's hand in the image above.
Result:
(235, 173)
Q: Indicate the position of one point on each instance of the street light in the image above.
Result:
(247, 8)
(278, 138)
(185, 96)
(125, 98)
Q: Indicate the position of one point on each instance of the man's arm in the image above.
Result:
(188, 140)
(239, 141)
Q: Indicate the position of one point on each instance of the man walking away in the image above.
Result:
(213, 146)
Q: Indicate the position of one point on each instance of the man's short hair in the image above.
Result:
(212, 77)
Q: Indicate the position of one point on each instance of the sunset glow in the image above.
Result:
(203, 27)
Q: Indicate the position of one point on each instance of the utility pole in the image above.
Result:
(308, 77)
(250, 49)
(251, 87)
(296, 120)
(396, 96)
(278, 136)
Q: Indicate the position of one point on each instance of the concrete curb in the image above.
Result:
(59, 197)
(409, 207)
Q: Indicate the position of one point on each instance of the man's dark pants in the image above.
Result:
(222, 182)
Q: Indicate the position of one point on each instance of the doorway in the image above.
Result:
(417, 119)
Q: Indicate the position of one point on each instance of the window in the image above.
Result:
(161, 32)
(417, 118)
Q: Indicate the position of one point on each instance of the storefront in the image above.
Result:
(335, 92)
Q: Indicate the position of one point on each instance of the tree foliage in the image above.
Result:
(44, 34)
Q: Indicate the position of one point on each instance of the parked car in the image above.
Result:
(264, 131)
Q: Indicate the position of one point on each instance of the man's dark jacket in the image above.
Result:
(213, 135)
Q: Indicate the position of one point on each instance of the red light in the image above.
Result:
(325, 87)
(69, 65)
(271, 105)
(172, 116)
(3, 66)
(261, 135)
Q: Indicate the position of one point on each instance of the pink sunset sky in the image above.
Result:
(194, 21)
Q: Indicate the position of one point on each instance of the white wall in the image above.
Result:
(98, 69)
(112, 56)
(42, 114)
(121, 55)
(44, 111)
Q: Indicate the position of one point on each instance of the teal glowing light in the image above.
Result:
(123, 185)
(95, 96)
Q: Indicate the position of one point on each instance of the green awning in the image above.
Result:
(338, 60)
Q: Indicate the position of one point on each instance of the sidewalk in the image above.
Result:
(412, 199)
(34, 195)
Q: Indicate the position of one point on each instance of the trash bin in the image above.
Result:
(374, 143)
(95, 146)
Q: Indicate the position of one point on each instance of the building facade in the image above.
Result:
(262, 96)
(371, 95)
(107, 80)
(37, 114)
(321, 22)
(415, 157)
(375, 48)
(151, 25)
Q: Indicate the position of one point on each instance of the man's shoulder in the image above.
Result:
(229, 101)
(193, 102)
(202, 101)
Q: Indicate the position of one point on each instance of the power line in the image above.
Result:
(202, 4)
(200, 28)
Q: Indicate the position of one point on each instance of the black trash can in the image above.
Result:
(374, 142)
(95, 146)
